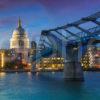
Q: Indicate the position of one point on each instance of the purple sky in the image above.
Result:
(37, 15)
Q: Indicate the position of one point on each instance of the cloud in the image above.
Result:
(8, 4)
(8, 20)
(49, 4)
(56, 5)
(42, 14)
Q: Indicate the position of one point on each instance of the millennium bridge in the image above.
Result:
(71, 42)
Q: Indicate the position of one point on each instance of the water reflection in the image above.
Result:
(2, 74)
(53, 72)
(29, 73)
(37, 73)
(28, 86)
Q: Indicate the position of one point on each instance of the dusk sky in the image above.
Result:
(37, 15)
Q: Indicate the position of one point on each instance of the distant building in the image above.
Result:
(20, 51)
(6, 55)
(97, 59)
(32, 53)
(2, 58)
(33, 45)
(92, 58)
(52, 63)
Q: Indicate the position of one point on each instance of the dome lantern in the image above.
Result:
(19, 22)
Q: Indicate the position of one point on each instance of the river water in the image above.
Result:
(48, 86)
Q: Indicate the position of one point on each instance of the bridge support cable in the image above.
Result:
(83, 30)
(57, 43)
(98, 23)
(72, 34)
(62, 35)
(94, 20)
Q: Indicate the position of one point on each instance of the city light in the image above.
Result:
(51, 55)
(2, 74)
(53, 63)
(2, 59)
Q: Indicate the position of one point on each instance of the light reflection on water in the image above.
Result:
(48, 86)
(2, 74)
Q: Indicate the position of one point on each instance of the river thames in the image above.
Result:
(48, 86)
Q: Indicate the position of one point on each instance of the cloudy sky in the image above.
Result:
(38, 15)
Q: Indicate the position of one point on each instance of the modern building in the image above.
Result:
(52, 63)
(92, 58)
(97, 59)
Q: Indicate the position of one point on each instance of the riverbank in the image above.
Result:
(35, 71)
(14, 71)
(32, 71)
(93, 69)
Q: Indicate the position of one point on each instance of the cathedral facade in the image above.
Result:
(20, 43)
(20, 52)
(19, 38)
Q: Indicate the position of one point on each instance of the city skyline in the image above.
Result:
(40, 15)
(49, 49)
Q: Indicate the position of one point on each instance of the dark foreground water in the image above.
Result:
(49, 86)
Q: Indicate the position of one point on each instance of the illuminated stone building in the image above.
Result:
(2, 59)
(19, 38)
(19, 51)
(6, 56)
(20, 42)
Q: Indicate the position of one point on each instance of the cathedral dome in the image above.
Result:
(19, 38)
(19, 31)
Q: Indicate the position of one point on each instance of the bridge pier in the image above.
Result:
(73, 70)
